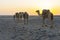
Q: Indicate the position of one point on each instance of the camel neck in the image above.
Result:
(39, 13)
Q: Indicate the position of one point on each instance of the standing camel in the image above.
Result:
(21, 16)
(46, 14)
(16, 16)
(25, 16)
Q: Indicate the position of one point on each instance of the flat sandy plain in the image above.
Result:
(11, 30)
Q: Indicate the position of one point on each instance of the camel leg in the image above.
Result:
(51, 24)
(27, 21)
(24, 20)
(43, 22)
(17, 19)
(14, 17)
(20, 20)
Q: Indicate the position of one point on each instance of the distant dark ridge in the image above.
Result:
(29, 15)
(6, 15)
(12, 15)
(54, 15)
(57, 15)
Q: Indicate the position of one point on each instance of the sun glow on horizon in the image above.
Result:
(12, 6)
(52, 5)
(47, 4)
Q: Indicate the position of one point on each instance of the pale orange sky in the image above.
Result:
(9, 7)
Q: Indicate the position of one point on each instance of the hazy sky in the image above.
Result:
(11, 6)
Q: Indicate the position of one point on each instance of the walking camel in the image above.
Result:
(46, 14)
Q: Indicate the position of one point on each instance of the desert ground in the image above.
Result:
(10, 29)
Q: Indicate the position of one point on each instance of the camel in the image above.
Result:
(16, 16)
(46, 14)
(22, 15)
(25, 16)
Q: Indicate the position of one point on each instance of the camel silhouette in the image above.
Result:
(21, 15)
(25, 16)
(46, 14)
(16, 16)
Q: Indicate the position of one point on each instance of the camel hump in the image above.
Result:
(45, 12)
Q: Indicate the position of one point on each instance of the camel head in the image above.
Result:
(37, 10)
